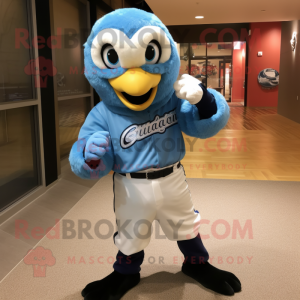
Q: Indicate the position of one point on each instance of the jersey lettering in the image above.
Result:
(137, 132)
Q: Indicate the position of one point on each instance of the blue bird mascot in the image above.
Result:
(132, 62)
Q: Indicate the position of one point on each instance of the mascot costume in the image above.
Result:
(131, 60)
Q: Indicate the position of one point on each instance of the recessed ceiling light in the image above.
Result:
(199, 17)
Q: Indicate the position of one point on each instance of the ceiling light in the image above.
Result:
(199, 17)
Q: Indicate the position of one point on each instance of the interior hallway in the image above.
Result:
(257, 143)
(266, 148)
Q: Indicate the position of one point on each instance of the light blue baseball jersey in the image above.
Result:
(149, 139)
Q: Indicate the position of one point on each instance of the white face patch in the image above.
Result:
(131, 52)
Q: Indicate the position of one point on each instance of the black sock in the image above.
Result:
(193, 250)
(129, 264)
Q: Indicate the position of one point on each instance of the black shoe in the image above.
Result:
(112, 287)
(219, 281)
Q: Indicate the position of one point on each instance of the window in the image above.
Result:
(19, 157)
(20, 169)
(16, 82)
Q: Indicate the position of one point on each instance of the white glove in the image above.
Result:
(187, 87)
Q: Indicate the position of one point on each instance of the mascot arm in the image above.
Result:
(205, 118)
(95, 122)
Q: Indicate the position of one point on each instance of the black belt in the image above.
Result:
(154, 174)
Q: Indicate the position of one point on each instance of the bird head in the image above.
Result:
(131, 60)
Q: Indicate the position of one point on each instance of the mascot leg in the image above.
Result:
(196, 265)
(139, 206)
(126, 275)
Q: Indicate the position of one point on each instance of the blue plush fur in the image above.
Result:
(190, 123)
(81, 169)
(130, 20)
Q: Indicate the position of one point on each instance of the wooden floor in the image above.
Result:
(255, 144)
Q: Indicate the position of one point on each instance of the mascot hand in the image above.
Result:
(97, 145)
(187, 87)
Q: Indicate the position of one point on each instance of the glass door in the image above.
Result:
(228, 79)
(198, 61)
(183, 50)
(215, 74)
(225, 79)
(198, 69)
(211, 63)
(20, 135)
(73, 92)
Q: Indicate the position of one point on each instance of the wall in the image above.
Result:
(268, 40)
(238, 65)
(289, 86)
(209, 33)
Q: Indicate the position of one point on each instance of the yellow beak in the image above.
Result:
(136, 88)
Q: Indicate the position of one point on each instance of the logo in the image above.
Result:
(39, 258)
(137, 132)
(40, 68)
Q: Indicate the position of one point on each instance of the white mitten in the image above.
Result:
(187, 87)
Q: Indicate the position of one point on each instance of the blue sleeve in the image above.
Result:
(191, 122)
(94, 122)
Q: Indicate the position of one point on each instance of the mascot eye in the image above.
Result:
(153, 52)
(110, 56)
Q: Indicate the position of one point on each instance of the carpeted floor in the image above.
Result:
(265, 256)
